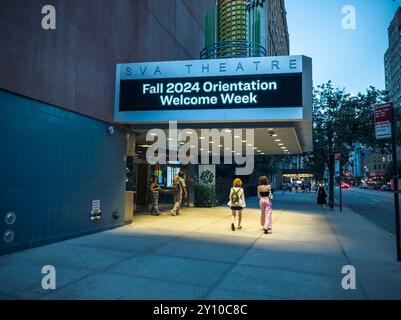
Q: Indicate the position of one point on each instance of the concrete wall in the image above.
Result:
(53, 163)
(74, 66)
(57, 100)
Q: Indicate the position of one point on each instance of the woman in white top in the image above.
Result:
(236, 202)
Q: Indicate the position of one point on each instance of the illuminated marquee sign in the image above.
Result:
(180, 88)
(214, 92)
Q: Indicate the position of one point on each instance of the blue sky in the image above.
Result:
(352, 59)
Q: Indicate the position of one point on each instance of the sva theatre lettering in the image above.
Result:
(205, 68)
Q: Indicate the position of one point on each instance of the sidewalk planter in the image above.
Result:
(205, 196)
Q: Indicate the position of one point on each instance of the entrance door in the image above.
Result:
(142, 187)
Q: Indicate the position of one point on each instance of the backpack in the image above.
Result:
(235, 197)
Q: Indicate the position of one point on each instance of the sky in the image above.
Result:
(353, 59)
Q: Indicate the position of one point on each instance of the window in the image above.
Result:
(171, 172)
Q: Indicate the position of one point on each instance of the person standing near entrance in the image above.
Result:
(179, 192)
(236, 202)
(154, 192)
(321, 195)
(265, 196)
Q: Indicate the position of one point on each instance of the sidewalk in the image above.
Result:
(197, 256)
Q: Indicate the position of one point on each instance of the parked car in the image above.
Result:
(363, 185)
(344, 185)
(385, 187)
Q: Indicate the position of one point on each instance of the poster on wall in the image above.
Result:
(207, 174)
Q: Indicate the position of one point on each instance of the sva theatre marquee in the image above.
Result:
(220, 90)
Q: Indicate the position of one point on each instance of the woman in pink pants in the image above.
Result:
(265, 196)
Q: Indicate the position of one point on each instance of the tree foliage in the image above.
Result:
(339, 120)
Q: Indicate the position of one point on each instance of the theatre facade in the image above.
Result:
(80, 105)
(255, 106)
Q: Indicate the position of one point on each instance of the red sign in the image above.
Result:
(383, 119)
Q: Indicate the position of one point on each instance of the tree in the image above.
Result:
(332, 130)
(339, 120)
(390, 171)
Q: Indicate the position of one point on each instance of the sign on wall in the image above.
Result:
(207, 174)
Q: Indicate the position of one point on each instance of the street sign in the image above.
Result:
(337, 164)
(383, 119)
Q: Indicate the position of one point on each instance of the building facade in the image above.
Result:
(246, 28)
(392, 60)
(71, 166)
(64, 160)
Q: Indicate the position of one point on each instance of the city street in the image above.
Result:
(376, 206)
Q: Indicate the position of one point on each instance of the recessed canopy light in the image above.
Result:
(281, 144)
(220, 145)
(227, 131)
(243, 141)
(202, 138)
(270, 129)
(277, 140)
(249, 144)
(254, 148)
(188, 132)
(282, 147)
(192, 146)
(259, 151)
(227, 148)
(274, 135)
(237, 137)
(263, 153)
(200, 149)
(153, 134)
(211, 141)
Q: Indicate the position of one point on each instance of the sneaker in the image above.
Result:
(232, 227)
(265, 231)
(269, 231)
(239, 227)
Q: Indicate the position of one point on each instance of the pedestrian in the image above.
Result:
(236, 203)
(321, 195)
(283, 188)
(179, 192)
(154, 192)
(265, 196)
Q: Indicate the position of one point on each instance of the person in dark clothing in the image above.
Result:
(321, 195)
(154, 192)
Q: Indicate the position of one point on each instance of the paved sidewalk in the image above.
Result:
(197, 256)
